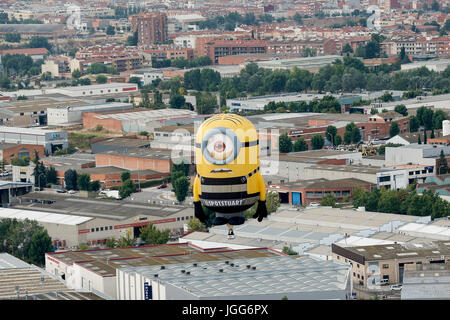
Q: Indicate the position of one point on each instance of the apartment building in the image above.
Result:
(58, 66)
(151, 27)
(216, 48)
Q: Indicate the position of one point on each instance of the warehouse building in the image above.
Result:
(160, 160)
(72, 220)
(426, 282)
(313, 230)
(9, 151)
(118, 144)
(138, 120)
(30, 113)
(265, 278)
(307, 191)
(51, 140)
(69, 115)
(96, 269)
(19, 280)
(91, 91)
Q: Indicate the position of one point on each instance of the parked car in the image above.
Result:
(396, 287)
(162, 186)
(314, 204)
(71, 192)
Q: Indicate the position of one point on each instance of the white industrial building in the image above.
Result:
(433, 232)
(423, 154)
(269, 278)
(310, 231)
(50, 139)
(95, 270)
(106, 89)
(74, 114)
(432, 65)
(147, 75)
(400, 177)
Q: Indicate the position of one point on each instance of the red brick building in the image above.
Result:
(151, 27)
(215, 48)
(9, 151)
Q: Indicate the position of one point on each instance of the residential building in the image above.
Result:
(58, 66)
(400, 177)
(151, 27)
(216, 48)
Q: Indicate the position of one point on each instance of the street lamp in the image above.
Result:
(39, 180)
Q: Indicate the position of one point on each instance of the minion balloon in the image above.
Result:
(228, 179)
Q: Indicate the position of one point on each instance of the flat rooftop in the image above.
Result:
(347, 168)
(98, 208)
(250, 277)
(124, 142)
(148, 115)
(38, 105)
(42, 216)
(162, 154)
(32, 131)
(115, 170)
(106, 261)
(401, 251)
(326, 184)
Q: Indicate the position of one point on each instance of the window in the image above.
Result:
(385, 266)
(101, 228)
(21, 113)
(182, 218)
(178, 218)
(357, 265)
(384, 179)
(96, 229)
(110, 227)
(92, 230)
(362, 277)
(354, 274)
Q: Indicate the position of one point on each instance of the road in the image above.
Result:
(157, 196)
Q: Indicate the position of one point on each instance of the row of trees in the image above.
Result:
(75, 181)
(403, 201)
(344, 75)
(148, 234)
(328, 104)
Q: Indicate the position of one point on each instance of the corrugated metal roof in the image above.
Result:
(8, 261)
(41, 216)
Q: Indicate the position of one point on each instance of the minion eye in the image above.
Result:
(220, 146)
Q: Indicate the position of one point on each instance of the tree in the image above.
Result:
(76, 74)
(443, 166)
(329, 201)
(39, 245)
(181, 187)
(132, 40)
(300, 145)
(127, 188)
(337, 140)
(94, 185)
(297, 18)
(110, 31)
(70, 179)
(272, 203)
(83, 181)
(435, 6)
(347, 48)
(419, 141)
(96, 68)
(413, 124)
(317, 142)
(40, 175)
(331, 133)
(39, 42)
(136, 80)
(125, 176)
(287, 250)
(427, 118)
(51, 175)
(285, 143)
(12, 37)
(110, 242)
(177, 101)
(125, 242)
(394, 130)
(373, 111)
(195, 225)
(205, 102)
(100, 79)
(401, 108)
(424, 136)
(151, 235)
